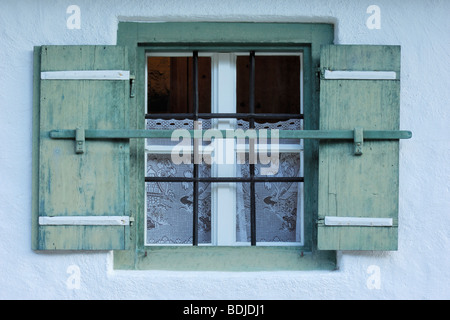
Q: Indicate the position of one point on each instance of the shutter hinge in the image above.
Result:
(320, 72)
(132, 86)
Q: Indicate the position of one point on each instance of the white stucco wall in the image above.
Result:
(420, 269)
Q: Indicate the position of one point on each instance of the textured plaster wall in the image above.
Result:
(419, 270)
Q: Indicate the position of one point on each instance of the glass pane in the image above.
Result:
(204, 212)
(169, 204)
(278, 217)
(290, 124)
(277, 84)
(278, 204)
(243, 233)
(278, 212)
(169, 213)
(170, 84)
(172, 124)
(161, 165)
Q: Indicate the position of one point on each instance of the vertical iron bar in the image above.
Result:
(252, 153)
(195, 169)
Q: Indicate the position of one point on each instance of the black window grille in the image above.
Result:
(251, 116)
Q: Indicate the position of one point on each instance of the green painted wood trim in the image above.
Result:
(169, 36)
(380, 238)
(89, 237)
(310, 105)
(140, 173)
(35, 152)
(382, 58)
(227, 259)
(215, 34)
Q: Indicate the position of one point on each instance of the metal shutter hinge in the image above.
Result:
(132, 86)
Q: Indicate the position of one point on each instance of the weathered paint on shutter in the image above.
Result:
(366, 185)
(94, 183)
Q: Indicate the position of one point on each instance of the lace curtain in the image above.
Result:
(169, 211)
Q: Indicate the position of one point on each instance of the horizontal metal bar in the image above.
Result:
(231, 134)
(386, 134)
(359, 75)
(182, 116)
(358, 222)
(85, 221)
(225, 179)
(86, 75)
(209, 149)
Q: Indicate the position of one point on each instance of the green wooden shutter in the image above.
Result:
(358, 194)
(80, 197)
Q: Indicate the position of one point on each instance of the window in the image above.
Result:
(225, 211)
(99, 152)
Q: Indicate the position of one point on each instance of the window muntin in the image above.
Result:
(224, 206)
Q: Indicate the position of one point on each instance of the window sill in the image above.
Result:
(242, 259)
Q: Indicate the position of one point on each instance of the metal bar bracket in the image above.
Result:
(80, 139)
(359, 141)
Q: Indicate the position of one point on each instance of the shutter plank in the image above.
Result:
(367, 185)
(82, 237)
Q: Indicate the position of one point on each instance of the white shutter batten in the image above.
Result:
(359, 75)
(85, 221)
(357, 221)
(86, 75)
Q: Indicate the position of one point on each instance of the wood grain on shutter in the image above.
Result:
(94, 183)
(363, 186)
